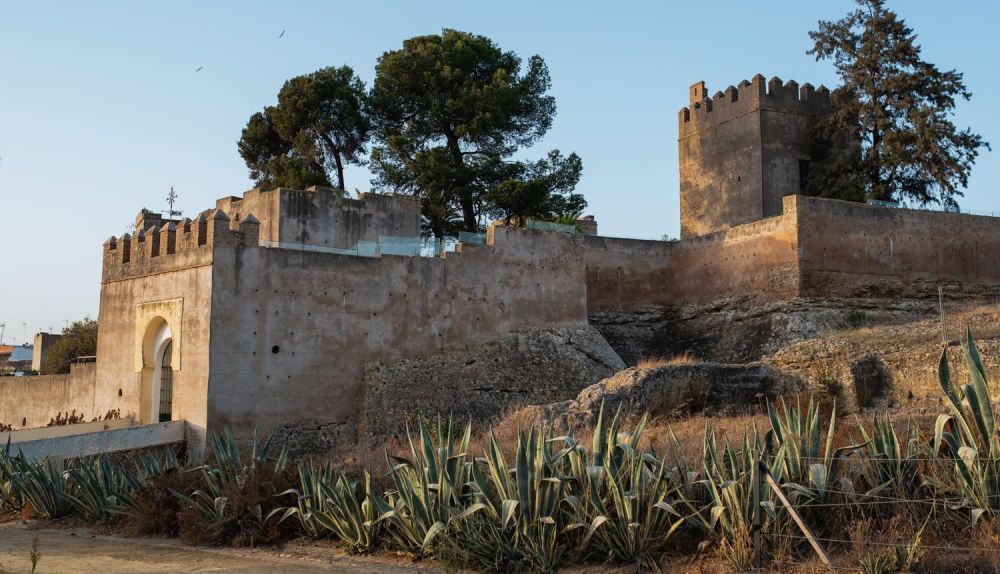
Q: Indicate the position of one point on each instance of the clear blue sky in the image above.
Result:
(101, 110)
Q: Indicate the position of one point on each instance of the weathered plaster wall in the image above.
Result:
(739, 151)
(627, 273)
(27, 402)
(292, 330)
(756, 260)
(851, 249)
(178, 281)
(719, 149)
(323, 216)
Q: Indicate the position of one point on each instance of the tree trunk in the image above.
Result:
(340, 170)
(465, 198)
(335, 151)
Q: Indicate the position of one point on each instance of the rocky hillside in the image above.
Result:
(894, 364)
(664, 391)
(736, 331)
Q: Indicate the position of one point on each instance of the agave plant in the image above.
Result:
(355, 524)
(886, 464)
(729, 479)
(230, 475)
(42, 486)
(10, 497)
(626, 499)
(310, 498)
(427, 487)
(101, 490)
(518, 512)
(485, 535)
(969, 436)
(541, 489)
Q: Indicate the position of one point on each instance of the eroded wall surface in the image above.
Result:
(856, 250)
(292, 331)
(757, 261)
(27, 402)
(322, 216)
(177, 276)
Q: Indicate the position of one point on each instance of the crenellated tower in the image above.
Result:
(744, 149)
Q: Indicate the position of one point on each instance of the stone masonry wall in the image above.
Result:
(740, 151)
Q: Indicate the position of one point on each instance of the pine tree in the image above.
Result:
(896, 111)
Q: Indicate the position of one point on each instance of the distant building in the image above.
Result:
(17, 360)
(43, 342)
(5, 351)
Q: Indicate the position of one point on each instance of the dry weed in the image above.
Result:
(685, 358)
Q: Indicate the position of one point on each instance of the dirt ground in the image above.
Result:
(79, 551)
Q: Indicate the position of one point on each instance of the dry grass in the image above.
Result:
(982, 316)
(655, 362)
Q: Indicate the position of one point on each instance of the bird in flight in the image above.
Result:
(199, 68)
(281, 35)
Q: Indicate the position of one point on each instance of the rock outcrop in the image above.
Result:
(740, 331)
(525, 367)
(666, 391)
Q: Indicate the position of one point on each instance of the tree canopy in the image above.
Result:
(319, 125)
(79, 339)
(449, 111)
(891, 137)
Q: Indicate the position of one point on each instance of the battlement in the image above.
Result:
(175, 244)
(324, 216)
(789, 97)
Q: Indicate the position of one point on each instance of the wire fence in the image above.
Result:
(958, 312)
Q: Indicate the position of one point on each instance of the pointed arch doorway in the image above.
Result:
(159, 359)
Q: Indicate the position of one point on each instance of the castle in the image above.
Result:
(309, 312)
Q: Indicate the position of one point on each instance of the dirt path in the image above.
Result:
(78, 551)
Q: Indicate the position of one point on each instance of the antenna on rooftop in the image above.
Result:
(171, 198)
(3, 327)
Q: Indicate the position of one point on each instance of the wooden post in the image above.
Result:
(798, 519)
(944, 339)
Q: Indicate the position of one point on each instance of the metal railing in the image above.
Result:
(549, 226)
(930, 207)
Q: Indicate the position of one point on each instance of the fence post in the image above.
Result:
(795, 516)
(755, 475)
(941, 312)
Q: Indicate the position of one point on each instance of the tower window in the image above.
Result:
(803, 175)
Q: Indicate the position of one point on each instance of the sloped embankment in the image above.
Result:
(665, 391)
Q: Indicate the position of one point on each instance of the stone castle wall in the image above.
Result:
(757, 261)
(740, 151)
(855, 250)
(292, 331)
(815, 248)
(271, 336)
(27, 402)
(323, 217)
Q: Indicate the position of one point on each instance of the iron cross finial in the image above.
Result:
(171, 199)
